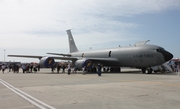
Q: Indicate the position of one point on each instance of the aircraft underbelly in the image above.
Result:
(109, 64)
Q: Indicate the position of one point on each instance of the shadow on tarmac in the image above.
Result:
(124, 72)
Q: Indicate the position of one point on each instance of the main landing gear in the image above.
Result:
(147, 70)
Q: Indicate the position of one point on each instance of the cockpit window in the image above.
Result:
(160, 49)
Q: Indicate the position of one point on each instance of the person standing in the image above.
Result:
(99, 69)
(58, 68)
(178, 67)
(52, 69)
(63, 68)
(38, 67)
(69, 69)
(83, 70)
(24, 68)
(10, 67)
(3, 68)
(74, 71)
(31, 68)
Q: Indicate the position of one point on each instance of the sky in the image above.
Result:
(35, 27)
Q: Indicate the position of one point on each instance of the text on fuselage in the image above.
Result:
(144, 56)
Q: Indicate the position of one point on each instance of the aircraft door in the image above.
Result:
(109, 53)
(82, 54)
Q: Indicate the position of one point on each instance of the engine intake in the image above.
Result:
(46, 62)
(81, 63)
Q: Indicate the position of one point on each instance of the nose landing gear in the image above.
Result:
(147, 70)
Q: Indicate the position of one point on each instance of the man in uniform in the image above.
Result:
(99, 69)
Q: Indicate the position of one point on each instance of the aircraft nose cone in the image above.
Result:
(167, 56)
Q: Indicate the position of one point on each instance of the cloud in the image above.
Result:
(43, 22)
(58, 15)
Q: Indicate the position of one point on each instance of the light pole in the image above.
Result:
(4, 54)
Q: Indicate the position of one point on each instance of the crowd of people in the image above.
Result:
(175, 66)
(15, 68)
(60, 67)
(57, 67)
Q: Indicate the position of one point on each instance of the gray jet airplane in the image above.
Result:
(141, 55)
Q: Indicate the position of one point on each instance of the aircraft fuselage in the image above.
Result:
(132, 56)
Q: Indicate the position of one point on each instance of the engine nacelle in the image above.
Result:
(46, 62)
(83, 62)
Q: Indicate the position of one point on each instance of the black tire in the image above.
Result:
(143, 70)
(149, 71)
(146, 71)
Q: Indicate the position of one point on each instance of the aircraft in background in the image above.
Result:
(141, 55)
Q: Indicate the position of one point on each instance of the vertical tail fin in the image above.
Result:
(72, 45)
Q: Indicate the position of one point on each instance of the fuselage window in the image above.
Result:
(109, 53)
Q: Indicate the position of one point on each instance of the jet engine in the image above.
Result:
(46, 62)
(83, 62)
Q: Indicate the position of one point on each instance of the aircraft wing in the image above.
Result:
(59, 54)
(104, 61)
(64, 58)
(26, 56)
(39, 57)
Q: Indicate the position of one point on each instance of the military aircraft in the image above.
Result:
(141, 55)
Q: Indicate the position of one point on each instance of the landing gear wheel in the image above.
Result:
(149, 71)
(146, 71)
(143, 70)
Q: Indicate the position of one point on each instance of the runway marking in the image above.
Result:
(27, 97)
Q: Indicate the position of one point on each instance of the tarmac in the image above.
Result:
(127, 90)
